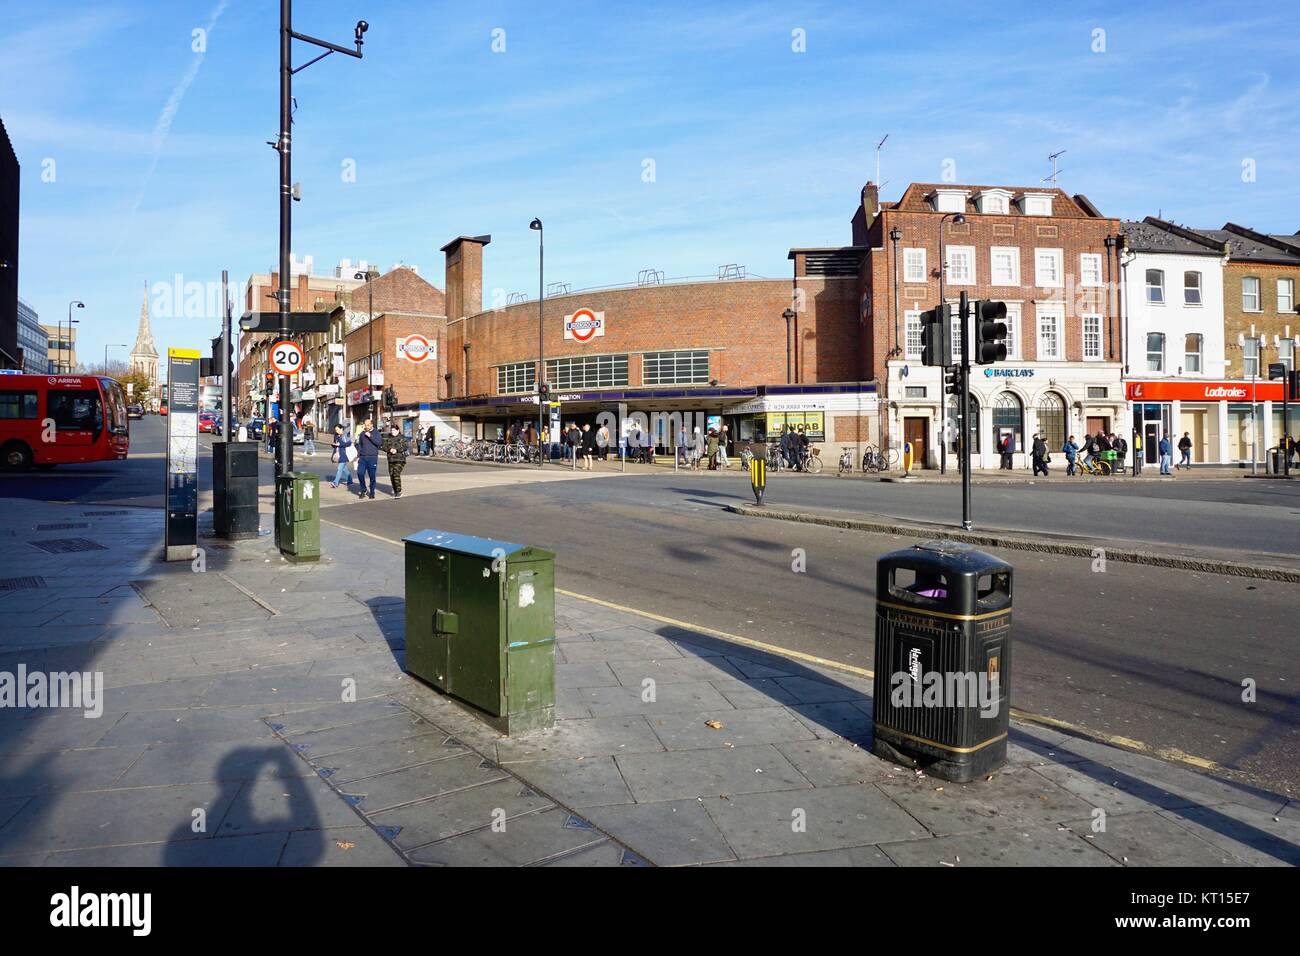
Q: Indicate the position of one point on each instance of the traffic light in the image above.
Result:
(936, 336)
(1293, 386)
(952, 381)
(269, 382)
(990, 332)
(390, 396)
(544, 392)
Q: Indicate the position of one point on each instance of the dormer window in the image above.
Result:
(1036, 204)
(993, 202)
(949, 200)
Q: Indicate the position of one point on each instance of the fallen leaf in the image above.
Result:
(344, 845)
(713, 724)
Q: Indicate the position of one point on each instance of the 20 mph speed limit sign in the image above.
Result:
(287, 357)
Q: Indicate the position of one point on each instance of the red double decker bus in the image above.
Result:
(48, 420)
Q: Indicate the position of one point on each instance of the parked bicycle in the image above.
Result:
(874, 460)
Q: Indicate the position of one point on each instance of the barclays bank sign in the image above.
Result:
(1008, 373)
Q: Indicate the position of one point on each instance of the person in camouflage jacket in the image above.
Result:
(395, 449)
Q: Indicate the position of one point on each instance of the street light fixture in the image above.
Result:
(120, 345)
(62, 351)
(541, 356)
(895, 236)
(282, 145)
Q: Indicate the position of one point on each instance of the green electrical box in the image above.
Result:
(297, 516)
(480, 625)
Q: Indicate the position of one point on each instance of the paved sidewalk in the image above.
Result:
(226, 737)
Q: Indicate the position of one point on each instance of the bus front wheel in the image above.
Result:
(16, 456)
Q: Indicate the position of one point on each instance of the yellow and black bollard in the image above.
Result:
(758, 477)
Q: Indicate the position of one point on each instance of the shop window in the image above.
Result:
(1191, 288)
(1192, 358)
(1051, 420)
(1155, 352)
(1156, 286)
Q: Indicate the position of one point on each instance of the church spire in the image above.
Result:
(144, 357)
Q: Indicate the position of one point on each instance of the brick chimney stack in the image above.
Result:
(465, 275)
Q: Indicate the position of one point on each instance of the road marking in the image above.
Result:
(1172, 754)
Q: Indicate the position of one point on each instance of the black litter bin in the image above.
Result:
(943, 659)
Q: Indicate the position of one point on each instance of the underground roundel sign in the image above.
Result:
(416, 348)
(584, 325)
(286, 357)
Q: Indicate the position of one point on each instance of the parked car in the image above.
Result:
(135, 410)
(254, 429)
(207, 422)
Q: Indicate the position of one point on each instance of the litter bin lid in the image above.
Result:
(463, 543)
(954, 557)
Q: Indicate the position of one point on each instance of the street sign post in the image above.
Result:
(181, 531)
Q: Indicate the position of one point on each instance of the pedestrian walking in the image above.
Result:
(368, 445)
(1039, 453)
(1166, 454)
(1121, 454)
(697, 449)
(1006, 447)
(272, 434)
(309, 438)
(395, 448)
(1071, 452)
(1137, 453)
(683, 446)
(723, 436)
(572, 440)
(1185, 448)
(602, 441)
(588, 443)
(711, 449)
(344, 454)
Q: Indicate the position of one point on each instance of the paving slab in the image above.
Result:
(1149, 839)
(577, 782)
(458, 812)
(349, 765)
(1251, 836)
(850, 856)
(339, 846)
(263, 849)
(1013, 798)
(654, 777)
(412, 784)
(237, 760)
(732, 728)
(526, 840)
(666, 833)
(594, 737)
(318, 744)
(284, 804)
(1034, 846)
(831, 763)
(695, 697)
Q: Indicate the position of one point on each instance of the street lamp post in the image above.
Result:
(943, 267)
(62, 351)
(541, 354)
(283, 145)
(789, 315)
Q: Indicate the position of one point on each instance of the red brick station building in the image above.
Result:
(834, 349)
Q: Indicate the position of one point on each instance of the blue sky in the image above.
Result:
(160, 166)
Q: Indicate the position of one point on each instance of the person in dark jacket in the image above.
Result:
(369, 444)
(395, 448)
(1185, 450)
(1039, 453)
(1166, 449)
(587, 440)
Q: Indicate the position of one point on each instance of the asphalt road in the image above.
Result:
(1150, 654)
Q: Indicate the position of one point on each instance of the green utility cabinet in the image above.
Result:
(297, 516)
(480, 625)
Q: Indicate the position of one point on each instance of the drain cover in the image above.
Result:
(62, 527)
(65, 545)
(21, 584)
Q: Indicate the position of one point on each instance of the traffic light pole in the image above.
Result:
(964, 441)
(224, 370)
